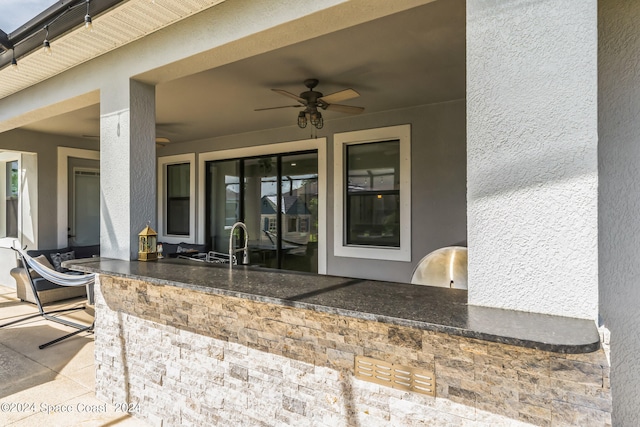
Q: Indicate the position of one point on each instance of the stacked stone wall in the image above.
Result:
(191, 358)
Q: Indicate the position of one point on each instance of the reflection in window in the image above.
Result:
(178, 199)
(277, 199)
(223, 202)
(373, 194)
(12, 199)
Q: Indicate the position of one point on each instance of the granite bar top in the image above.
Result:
(422, 307)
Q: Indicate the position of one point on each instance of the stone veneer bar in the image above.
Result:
(191, 354)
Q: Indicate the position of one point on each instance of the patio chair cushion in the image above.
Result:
(47, 252)
(191, 247)
(58, 258)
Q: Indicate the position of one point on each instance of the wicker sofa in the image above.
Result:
(47, 291)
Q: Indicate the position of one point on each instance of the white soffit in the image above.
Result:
(117, 27)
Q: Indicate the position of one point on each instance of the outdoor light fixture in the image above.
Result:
(46, 45)
(87, 18)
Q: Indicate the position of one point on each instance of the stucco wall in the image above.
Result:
(438, 179)
(532, 155)
(45, 146)
(619, 204)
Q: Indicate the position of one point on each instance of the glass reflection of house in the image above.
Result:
(296, 209)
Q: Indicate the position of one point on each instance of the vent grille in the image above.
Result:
(396, 376)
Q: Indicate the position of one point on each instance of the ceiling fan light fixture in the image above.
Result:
(316, 119)
(302, 120)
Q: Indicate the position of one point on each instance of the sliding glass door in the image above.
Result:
(277, 201)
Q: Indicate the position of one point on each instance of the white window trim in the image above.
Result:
(319, 144)
(63, 189)
(163, 162)
(340, 141)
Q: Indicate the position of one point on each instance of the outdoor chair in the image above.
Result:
(62, 279)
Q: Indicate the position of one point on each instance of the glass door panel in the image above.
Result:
(299, 189)
(261, 208)
(223, 206)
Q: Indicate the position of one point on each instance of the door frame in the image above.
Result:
(319, 144)
(63, 187)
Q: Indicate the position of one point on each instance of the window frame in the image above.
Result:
(163, 162)
(401, 133)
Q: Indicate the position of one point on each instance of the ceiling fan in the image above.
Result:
(313, 100)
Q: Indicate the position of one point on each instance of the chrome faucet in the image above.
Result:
(232, 251)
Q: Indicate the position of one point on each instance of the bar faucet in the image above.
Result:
(232, 251)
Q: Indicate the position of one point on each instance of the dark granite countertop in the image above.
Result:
(423, 307)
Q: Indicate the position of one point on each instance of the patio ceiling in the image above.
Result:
(119, 22)
(411, 58)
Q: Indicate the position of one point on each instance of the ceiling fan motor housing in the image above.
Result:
(311, 96)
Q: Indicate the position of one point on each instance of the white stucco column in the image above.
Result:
(619, 155)
(127, 166)
(532, 155)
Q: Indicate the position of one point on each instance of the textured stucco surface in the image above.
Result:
(532, 156)
(127, 177)
(619, 204)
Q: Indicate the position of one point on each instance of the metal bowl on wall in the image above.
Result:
(445, 267)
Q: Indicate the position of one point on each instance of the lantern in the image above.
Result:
(147, 245)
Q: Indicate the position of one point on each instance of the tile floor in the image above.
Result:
(54, 386)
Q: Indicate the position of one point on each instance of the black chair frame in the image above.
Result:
(49, 315)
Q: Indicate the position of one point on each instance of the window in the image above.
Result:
(178, 192)
(292, 224)
(373, 194)
(176, 207)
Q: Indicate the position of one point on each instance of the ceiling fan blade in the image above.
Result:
(343, 95)
(290, 95)
(348, 109)
(275, 108)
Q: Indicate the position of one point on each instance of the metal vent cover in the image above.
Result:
(395, 376)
